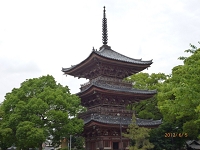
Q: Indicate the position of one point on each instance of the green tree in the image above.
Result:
(139, 136)
(165, 137)
(179, 97)
(78, 142)
(147, 109)
(38, 110)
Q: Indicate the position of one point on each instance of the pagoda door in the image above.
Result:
(115, 145)
(93, 146)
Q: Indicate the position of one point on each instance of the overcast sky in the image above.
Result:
(40, 37)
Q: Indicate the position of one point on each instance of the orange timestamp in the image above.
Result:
(168, 135)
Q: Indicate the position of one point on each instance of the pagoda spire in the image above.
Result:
(104, 28)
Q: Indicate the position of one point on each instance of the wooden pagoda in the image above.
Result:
(106, 96)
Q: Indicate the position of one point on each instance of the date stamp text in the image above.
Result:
(168, 135)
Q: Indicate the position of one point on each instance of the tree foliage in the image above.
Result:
(38, 110)
(164, 137)
(139, 135)
(147, 109)
(179, 98)
(147, 81)
(191, 50)
(78, 142)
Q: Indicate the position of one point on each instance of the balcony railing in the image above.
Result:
(107, 80)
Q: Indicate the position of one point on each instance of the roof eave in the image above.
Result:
(145, 92)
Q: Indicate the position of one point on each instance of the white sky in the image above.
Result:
(40, 37)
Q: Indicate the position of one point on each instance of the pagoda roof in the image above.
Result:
(193, 144)
(116, 88)
(108, 119)
(111, 54)
(107, 54)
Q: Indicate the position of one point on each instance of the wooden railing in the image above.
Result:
(107, 80)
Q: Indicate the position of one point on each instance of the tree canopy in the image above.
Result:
(179, 98)
(139, 136)
(177, 101)
(147, 109)
(39, 110)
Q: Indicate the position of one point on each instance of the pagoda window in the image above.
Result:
(106, 144)
(98, 144)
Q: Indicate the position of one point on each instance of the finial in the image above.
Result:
(104, 28)
(104, 12)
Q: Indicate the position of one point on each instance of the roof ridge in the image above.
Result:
(120, 54)
(104, 49)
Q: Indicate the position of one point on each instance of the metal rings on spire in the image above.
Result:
(104, 28)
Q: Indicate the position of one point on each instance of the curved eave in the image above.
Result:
(92, 122)
(100, 55)
(115, 120)
(74, 67)
(99, 123)
(121, 91)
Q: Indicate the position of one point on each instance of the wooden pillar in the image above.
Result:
(101, 147)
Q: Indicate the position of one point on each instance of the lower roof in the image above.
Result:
(193, 144)
(108, 119)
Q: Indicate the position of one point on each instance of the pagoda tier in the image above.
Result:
(107, 62)
(110, 116)
(109, 127)
(111, 92)
(124, 120)
(105, 132)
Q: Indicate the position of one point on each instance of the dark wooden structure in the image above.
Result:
(106, 95)
(193, 145)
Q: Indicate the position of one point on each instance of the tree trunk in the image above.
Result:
(40, 146)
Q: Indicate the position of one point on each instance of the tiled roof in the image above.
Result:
(123, 120)
(118, 88)
(111, 54)
(189, 142)
(193, 144)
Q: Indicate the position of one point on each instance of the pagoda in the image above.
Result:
(107, 95)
